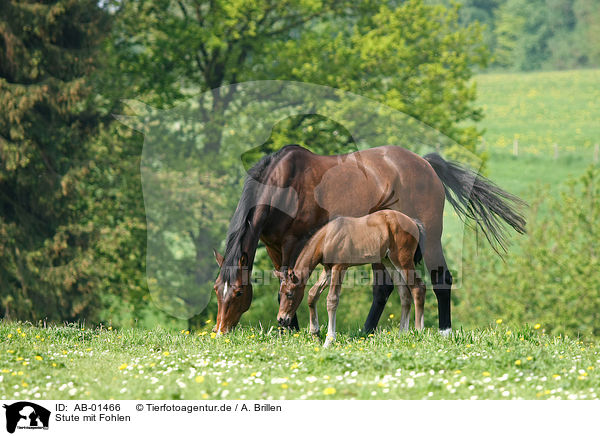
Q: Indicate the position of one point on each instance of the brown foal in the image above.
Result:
(346, 242)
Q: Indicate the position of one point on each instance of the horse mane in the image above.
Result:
(240, 222)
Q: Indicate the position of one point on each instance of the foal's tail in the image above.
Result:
(473, 196)
(421, 247)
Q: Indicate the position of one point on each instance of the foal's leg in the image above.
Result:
(413, 285)
(393, 264)
(333, 298)
(313, 298)
(418, 293)
(416, 287)
(406, 301)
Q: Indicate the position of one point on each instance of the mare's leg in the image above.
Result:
(333, 298)
(313, 298)
(441, 279)
(382, 288)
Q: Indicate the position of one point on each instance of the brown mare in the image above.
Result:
(290, 194)
(345, 242)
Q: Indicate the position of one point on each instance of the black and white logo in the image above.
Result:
(26, 415)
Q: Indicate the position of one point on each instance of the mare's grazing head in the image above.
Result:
(234, 293)
(291, 293)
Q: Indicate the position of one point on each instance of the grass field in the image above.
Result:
(494, 363)
(540, 109)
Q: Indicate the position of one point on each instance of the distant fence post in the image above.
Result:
(596, 152)
(555, 151)
(516, 147)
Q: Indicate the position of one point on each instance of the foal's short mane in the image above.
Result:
(240, 221)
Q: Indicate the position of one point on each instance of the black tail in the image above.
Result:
(473, 196)
(421, 247)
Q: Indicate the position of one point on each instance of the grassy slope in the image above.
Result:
(69, 362)
(541, 109)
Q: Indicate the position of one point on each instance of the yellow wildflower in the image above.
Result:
(329, 391)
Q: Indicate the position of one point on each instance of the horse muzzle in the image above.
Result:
(284, 321)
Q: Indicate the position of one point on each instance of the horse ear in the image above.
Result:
(219, 258)
(292, 276)
(243, 260)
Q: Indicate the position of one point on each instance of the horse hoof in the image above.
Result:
(446, 332)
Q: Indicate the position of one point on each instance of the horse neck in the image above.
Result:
(252, 235)
(248, 243)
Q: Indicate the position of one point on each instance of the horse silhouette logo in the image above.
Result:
(26, 415)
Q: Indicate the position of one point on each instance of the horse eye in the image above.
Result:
(289, 295)
(239, 293)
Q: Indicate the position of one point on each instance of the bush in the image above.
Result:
(551, 276)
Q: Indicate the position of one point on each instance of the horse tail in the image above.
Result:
(421, 246)
(474, 196)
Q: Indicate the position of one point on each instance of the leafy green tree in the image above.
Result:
(47, 50)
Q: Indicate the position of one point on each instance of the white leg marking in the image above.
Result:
(405, 300)
(446, 332)
(330, 330)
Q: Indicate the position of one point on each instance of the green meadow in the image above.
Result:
(497, 362)
(539, 110)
